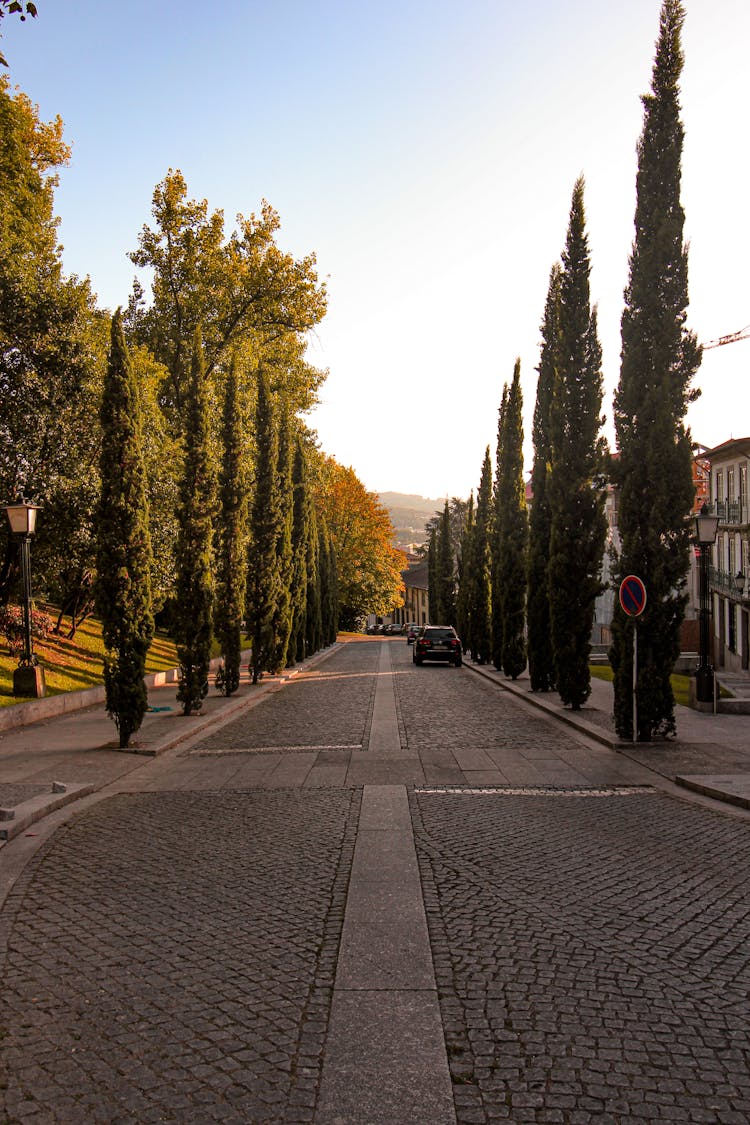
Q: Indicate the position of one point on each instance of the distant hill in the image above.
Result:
(409, 514)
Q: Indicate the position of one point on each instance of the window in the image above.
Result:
(732, 607)
(730, 484)
(719, 479)
(743, 486)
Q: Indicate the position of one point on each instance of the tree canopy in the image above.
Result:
(369, 566)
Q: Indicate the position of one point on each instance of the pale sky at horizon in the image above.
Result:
(426, 152)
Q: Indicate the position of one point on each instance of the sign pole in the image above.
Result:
(635, 680)
(633, 603)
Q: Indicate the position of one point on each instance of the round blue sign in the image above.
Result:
(632, 595)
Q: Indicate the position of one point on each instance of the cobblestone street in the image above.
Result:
(201, 942)
(591, 955)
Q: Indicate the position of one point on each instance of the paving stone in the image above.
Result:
(255, 883)
(537, 937)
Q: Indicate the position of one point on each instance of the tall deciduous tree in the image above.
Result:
(258, 296)
(368, 565)
(578, 527)
(123, 556)
(193, 625)
(231, 571)
(659, 359)
(53, 354)
(263, 579)
(540, 653)
(512, 532)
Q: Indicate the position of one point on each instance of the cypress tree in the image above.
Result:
(446, 575)
(481, 566)
(578, 527)
(123, 562)
(659, 359)
(300, 534)
(541, 660)
(282, 621)
(265, 525)
(496, 535)
(328, 587)
(193, 628)
(463, 597)
(314, 606)
(231, 575)
(510, 507)
(433, 596)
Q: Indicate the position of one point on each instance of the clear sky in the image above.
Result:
(426, 151)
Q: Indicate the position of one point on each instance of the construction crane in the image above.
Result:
(731, 338)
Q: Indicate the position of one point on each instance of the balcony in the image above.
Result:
(735, 586)
(735, 513)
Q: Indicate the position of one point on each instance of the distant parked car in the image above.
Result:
(395, 630)
(411, 632)
(437, 642)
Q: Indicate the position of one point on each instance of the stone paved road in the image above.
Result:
(591, 954)
(330, 707)
(171, 951)
(173, 958)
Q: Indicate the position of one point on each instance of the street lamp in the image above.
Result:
(28, 678)
(705, 535)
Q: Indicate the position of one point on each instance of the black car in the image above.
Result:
(437, 642)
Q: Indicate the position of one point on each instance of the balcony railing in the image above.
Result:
(735, 512)
(733, 586)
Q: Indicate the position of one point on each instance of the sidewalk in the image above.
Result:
(47, 764)
(711, 754)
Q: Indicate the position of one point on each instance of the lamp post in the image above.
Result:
(28, 678)
(705, 534)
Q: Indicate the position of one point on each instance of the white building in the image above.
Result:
(729, 573)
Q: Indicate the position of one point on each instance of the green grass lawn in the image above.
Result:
(77, 664)
(680, 684)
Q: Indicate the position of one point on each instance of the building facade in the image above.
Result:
(729, 465)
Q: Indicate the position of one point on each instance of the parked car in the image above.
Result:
(395, 630)
(437, 642)
(411, 629)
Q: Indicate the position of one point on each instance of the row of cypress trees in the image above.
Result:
(528, 584)
(264, 565)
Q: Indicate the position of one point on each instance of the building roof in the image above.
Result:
(415, 577)
(728, 449)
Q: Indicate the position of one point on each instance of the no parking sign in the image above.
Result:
(632, 596)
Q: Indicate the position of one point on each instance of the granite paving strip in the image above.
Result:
(385, 1054)
(385, 739)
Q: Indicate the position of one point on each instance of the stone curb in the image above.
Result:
(570, 718)
(729, 789)
(22, 714)
(30, 811)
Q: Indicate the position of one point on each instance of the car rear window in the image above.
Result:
(439, 634)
